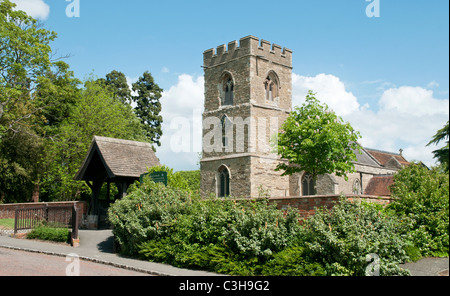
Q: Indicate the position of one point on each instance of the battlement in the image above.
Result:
(248, 46)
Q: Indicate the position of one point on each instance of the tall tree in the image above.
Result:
(148, 106)
(25, 55)
(442, 154)
(117, 82)
(96, 113)
(56, 94)
(314, 139)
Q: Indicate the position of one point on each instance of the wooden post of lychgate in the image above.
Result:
(75, 223)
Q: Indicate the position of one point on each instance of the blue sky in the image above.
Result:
(387, 75)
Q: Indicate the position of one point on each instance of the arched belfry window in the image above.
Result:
(308, 185)
(227, 89)
(224, 182)
(271, 86)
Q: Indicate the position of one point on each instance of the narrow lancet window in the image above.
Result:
(229, 91)
(271, 87)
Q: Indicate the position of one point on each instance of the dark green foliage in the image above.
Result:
(422, 202)
(341, 238)
(293, 261)
(192, 179)
(25, 56)
(50, 234)
(164, 224)
(149, 212)
(117, 82)
(148, 107)
(248, 237)
(442, 154)
(48, 119)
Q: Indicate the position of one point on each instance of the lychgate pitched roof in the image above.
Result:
(119, 158)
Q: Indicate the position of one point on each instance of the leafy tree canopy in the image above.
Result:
(148, 107)
(442, 154)
(314, 139)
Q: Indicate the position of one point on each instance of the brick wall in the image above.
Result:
(307, 205)
(7, 211)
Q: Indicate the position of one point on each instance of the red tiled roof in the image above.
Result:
(383, 157)
(379, 186)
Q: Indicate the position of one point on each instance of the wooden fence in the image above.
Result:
(52, 216)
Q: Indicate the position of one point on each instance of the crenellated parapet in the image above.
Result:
(248, 46)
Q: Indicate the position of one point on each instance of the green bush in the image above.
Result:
(341, 238)
(148, 212)
(258, 229)
(293, 261)
(192, 178)
(422, 202)
(252, 237)
(165, 224)
(50, 234)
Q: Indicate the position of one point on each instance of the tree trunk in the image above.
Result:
(35, 196)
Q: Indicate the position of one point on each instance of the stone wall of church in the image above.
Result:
(363, 173)
(237, 137)
(264, 176)
(330, 184)
(253, 117)
(239, 175)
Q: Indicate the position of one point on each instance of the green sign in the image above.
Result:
(157, 177)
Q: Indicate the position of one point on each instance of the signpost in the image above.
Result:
(157, 177)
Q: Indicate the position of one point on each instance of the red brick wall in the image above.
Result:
(306, 204)
(8, 210)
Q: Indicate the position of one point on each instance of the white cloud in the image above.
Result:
(407, 117)
(414, 101)
(182, 108)
(330, 90)
(34, 8)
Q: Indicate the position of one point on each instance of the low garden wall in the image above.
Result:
(7, 211)
(306, 205)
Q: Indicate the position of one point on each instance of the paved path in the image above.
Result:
(22, 263)
(428, 267)
(96, 246)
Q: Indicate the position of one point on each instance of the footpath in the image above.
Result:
(97, 246)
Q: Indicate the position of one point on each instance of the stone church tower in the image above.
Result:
(248, 95)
